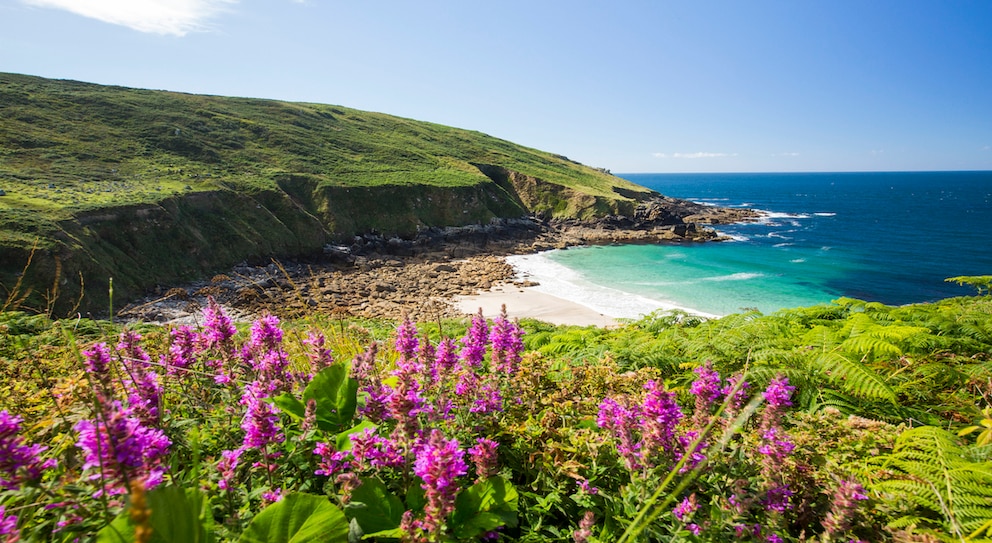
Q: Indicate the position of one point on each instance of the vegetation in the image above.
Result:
(841, 422)
(154, 187)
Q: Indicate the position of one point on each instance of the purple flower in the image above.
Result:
(97, 361)
(740, 397)
(218, 327)
(271, 496)
(271, 373)
(506, 344)
(227, 466)
(332, 461)
(8, 527)
(122, 449)
(370, 450)
(439, 463)
(587, 487)
(446, 357)
(19, 463)
(773, 538)
(406, 339)
(406, 403)
(182, 350)
(261, 419)
(266, 334)
(779, 392)
(778, 448)
(694, 528)
(144, 390)
(623, 422)
(320, 357)
(686, 507)
(696, 455)
(426, 354)
(474, 343)
(376, 399)
(661, 415)
(707, 386)
(483, 455)
(488, 400)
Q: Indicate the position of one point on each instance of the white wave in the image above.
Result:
(798, 260)
(732, 237)
(767, 217)
(825, 214)
(562, 282)
(740, 276)
(785, 244)
(777, 235)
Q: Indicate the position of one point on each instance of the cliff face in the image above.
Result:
(188, 237)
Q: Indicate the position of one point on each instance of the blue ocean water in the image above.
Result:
(886, 237)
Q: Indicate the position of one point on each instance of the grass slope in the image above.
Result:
(154, 186)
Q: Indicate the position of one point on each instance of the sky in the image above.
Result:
(629, 85)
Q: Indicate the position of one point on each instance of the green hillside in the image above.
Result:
(151, 187)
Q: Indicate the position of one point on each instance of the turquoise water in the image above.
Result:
(887, 237)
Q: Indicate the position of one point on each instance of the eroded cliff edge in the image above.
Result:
(188, 237)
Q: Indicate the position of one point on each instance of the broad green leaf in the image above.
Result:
(336, 395)
(298, 518)
(177, 516)
(485, 506)
(415, 499)
(289, 404)
(374, 507)
(343, 442)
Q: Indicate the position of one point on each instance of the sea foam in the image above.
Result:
(562, 282)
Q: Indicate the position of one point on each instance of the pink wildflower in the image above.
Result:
(439, 463)
(19, 463)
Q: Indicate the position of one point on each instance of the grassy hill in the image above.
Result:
(151, 187)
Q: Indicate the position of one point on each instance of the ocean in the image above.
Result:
(883, 237)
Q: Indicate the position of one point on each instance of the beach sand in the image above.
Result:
(524, 302)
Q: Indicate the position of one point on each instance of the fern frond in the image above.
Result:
(931, 471)
(854, 377)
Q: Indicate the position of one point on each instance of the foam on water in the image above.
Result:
(563, 282)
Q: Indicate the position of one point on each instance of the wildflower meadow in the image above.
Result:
(461, 431)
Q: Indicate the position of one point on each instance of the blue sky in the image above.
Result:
(634, 86)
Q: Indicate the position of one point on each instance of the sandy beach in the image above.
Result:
(526, 302)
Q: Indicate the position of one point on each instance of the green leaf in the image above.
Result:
(298, 518)
(375, 507)
(177, 516)
(415, 498)
(343, 441)
(485, 506)
(336, 395)
(289, 404)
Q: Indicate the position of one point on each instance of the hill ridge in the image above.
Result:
(154, 187)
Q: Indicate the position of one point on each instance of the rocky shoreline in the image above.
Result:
(376, 277)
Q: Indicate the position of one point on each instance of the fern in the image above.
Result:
(854, 377)
(930, 470)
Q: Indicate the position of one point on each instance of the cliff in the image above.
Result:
(151, 188)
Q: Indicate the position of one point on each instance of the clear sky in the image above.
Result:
(634, 86)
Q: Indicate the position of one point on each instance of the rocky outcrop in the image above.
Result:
(376, 276)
